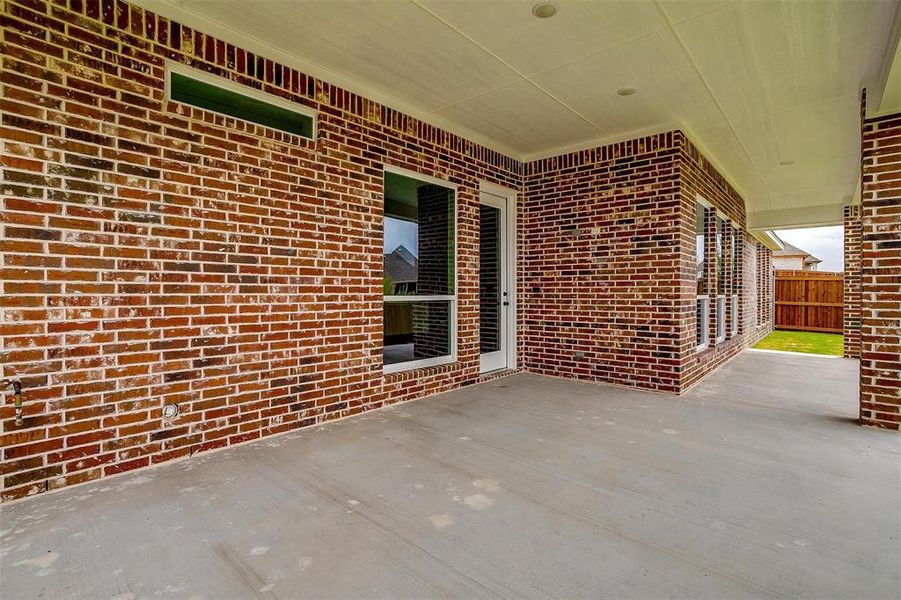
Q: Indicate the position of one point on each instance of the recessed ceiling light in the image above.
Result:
(544, 10)
(786, 163)
(626, 91)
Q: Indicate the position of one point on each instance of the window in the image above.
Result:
(721, 290)
(212, 93)
(735, 316)
(720, 255)
(419, 276)
(702, 316)
(720, 318)
(735, 281)
(700, 247)
(702, 304)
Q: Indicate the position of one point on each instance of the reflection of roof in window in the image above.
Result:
(401, 266)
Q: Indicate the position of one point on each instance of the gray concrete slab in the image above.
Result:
(758, 483)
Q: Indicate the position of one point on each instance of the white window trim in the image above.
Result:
(705, 330)
(720, 318)
(452, 298)
(705, 317)
(227, 84)
(734, 275)
(737, 274)
(720, 233)
(733, 331)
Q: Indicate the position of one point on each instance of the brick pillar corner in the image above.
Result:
(880, 273)
(851, 311)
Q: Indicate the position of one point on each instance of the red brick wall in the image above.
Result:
(880, 273)
(699, 178)
(608, 259)
(600, 256)
(765, 276)
(156, 254)
(851, 310)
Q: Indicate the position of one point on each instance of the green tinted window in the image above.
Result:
(210, 97)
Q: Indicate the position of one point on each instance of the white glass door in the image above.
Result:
(495, 289)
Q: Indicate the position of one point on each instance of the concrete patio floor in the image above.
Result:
(758, 483)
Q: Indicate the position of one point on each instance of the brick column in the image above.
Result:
(880, 273)
(851, 312)
(765, 285)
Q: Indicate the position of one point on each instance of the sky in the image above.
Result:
(401, 233)
(823, 242)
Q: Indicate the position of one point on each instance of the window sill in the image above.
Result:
(417, 365)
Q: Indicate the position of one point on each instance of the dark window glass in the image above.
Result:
(489, 279)
(416, 330)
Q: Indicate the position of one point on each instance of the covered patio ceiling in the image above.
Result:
(770, 90)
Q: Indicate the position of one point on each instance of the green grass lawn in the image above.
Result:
(803, 341)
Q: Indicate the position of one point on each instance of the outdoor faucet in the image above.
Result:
(17, 394)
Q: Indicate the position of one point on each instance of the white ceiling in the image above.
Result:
(754, 83)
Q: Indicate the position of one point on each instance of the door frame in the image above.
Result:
(508, 196)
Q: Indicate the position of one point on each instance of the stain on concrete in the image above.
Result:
(42, 561)
(478, 501)
(490, 486)
(442, 521)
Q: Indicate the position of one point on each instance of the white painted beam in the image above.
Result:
(884, 95)
(768, 239)
(796, 218)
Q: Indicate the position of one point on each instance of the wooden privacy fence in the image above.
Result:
(809, 301)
